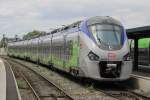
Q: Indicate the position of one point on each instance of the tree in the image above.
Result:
(3, 42)
(33, 34)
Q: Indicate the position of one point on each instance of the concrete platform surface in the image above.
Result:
(12, 91)
(141, 84)
(2, 81)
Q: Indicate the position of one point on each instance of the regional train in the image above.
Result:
(95, 48)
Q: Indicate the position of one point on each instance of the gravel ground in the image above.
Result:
(77, 91)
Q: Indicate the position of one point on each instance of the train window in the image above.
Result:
(107, 34)
(66, 28)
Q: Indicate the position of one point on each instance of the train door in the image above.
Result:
(36, 43)
(50, 48)
(64, 50)
(45, 49)
(58, 50)
(40, 53)
(71, 52)
(25, 49)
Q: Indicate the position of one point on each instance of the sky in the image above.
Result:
(17, 17)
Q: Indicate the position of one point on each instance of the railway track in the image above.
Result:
(75, 90)
(41, 86)
(34, 92)
(36, 96)
(116, 91)
(23, 84)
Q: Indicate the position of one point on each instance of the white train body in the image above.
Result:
(95, 48)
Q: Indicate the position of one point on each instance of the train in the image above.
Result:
(95, 48)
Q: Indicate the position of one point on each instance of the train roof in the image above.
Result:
(90, 21)
(75, 24)
(138, 32)
(102, 20)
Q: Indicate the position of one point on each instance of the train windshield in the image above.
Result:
(107, 34)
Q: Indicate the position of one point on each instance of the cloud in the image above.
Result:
(21, 16)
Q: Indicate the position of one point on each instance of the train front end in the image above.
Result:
(105, 51)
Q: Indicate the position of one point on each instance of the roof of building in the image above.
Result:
(139, 32)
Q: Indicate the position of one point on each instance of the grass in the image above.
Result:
(90, 87)
(22, 84)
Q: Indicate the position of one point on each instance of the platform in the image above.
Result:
(12, 91)
(143, 71)
(2, 81)
(140, 80)
(8, 85)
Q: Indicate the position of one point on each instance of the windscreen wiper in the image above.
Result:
(99, 40)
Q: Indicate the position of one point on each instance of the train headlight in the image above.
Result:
(127, 57)
(93, 56)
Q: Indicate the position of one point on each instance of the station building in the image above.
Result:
(141, 38)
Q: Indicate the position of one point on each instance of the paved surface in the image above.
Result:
(143, 71)
(12, 92)
(141, 84)
(141, 80)
(2, 81)
(3, 51)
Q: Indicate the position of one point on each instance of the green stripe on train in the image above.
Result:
(73, 61)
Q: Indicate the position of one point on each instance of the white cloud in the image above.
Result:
(20, 16)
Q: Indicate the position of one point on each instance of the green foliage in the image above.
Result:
(33, 34)
(90, 87)
(144, 43)
(22, 84)
(3, 43)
